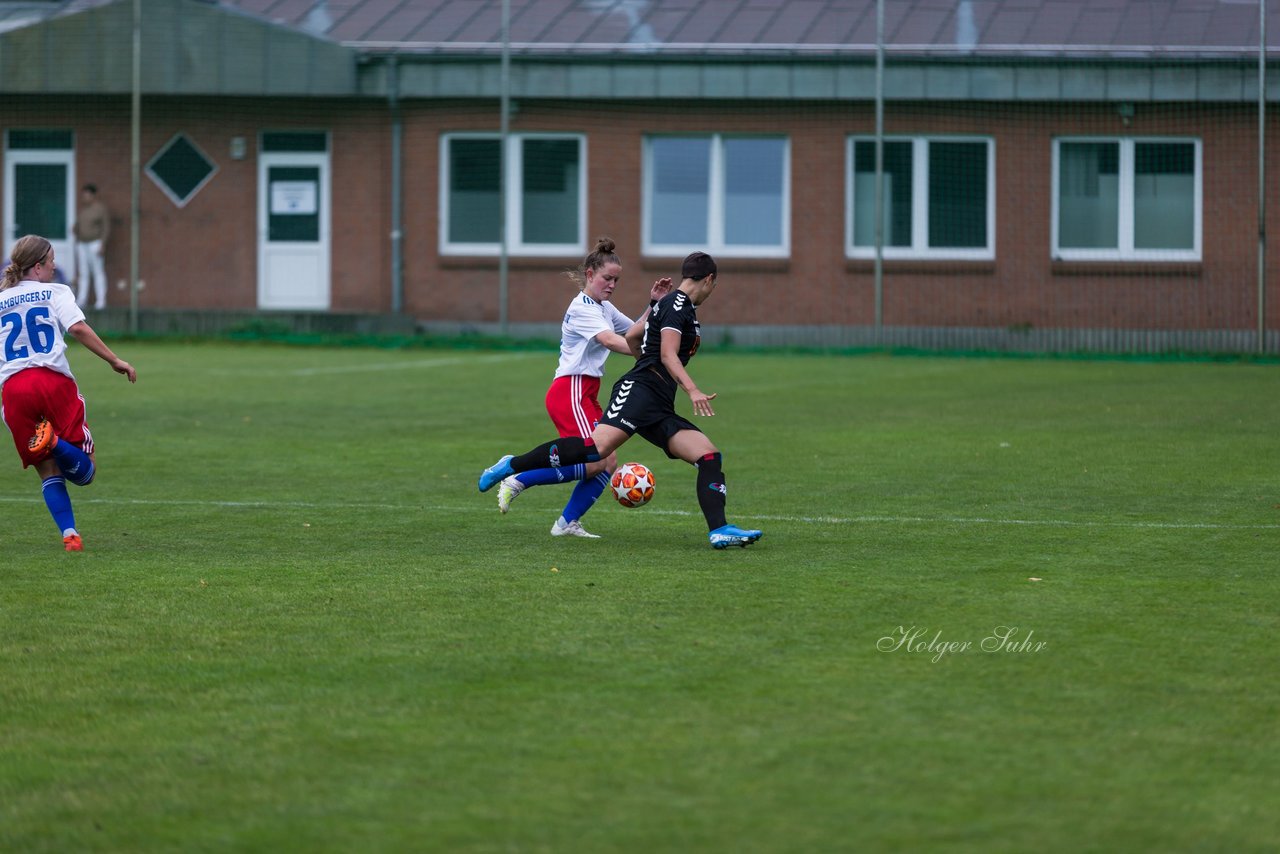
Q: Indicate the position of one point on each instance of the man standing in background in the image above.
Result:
(93, 226)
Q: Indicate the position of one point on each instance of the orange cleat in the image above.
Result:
(44, 439)
(73, 543)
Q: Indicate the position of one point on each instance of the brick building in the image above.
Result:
(1057, 175)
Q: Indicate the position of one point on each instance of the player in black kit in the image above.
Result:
(644, 401)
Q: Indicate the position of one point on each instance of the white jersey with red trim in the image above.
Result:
(34, 318)
(580, 352)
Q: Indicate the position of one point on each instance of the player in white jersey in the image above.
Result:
(592, 328)
(39, 400)
(644, 402)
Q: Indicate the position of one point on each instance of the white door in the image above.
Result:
(293, 231)
(40, 198)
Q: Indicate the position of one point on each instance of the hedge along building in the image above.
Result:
(1057, 175)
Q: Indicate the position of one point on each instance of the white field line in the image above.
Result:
(973, 521)
(415, 364)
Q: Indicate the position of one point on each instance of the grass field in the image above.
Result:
(297, 626)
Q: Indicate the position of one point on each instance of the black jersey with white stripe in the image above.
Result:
(674, 311)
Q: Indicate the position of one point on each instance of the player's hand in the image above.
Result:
(660, 288)
(702, 403)
(120, 366)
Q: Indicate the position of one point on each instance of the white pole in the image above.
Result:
(505, 124)
(135, 167)
(1262, 176)
(879, 264)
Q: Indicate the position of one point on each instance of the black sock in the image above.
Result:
(558, 453)
(711, 494)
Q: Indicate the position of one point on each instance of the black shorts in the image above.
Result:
(645, 403)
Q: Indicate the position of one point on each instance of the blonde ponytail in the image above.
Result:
(26, 253)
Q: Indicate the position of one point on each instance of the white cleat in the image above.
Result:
(571, 529)
(507, 492)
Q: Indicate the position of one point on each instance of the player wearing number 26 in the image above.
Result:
(39, 398)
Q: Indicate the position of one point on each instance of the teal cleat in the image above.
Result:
(494, 474)
(732, 535)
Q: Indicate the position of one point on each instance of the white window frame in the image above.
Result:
(64, 244)
(513, 162)
(1125, 250)
(715, 243)
(919, 248)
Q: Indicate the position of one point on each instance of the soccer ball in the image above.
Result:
(632, 485)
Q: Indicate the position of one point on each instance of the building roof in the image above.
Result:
(188, 48)
(1102, 28)
(994, 50)
(1041, 27)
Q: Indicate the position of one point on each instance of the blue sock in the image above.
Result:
(542, 477)
(59, 503)
(584, 495)
(75, 463)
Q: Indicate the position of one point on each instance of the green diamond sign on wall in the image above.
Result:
(180, 169)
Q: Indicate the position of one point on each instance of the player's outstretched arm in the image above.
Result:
(670, 349)
(635, 335)
(95, 345)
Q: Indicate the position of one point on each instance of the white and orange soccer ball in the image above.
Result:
(632, 485)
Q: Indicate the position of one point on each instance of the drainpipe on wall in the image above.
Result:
(397, 199)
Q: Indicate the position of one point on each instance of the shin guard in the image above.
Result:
(711, 490)
(559, 453)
